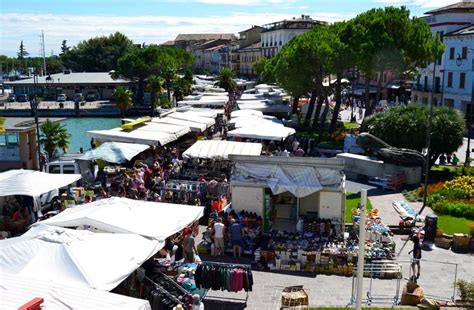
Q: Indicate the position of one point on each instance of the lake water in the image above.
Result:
(77, 128)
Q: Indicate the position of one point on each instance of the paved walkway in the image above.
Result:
(437, 278)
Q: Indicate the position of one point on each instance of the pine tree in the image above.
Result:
(22, 53)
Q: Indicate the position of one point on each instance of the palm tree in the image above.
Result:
(226, 80)
(2, 122)
(154, 85)
(123, 99)
(54, 136)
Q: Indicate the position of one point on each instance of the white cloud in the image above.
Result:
(419, 3)
(240, 2)
(149, 29)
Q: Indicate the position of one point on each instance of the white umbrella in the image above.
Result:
(115, 152)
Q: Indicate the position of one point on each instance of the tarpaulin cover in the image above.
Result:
(18, 290)
(254, 120)
(122, 215)
(218, 149)
(33, 183)
(78, 258)
(299, 180)
(115, 152)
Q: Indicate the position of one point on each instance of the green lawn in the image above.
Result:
(450, 224)
(352, 200)
(344, 308)
(351, 125)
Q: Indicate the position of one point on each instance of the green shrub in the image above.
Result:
(454, 208)
(466, 290)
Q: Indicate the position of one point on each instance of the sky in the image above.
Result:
(156, 21)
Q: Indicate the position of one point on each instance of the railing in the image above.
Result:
(427, 88)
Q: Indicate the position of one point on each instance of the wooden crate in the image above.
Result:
(294, 296)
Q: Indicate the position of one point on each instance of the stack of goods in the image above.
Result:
(294, 296)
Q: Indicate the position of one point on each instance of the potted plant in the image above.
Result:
(465, 292)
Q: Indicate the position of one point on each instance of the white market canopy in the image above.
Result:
(140, 135)
(193, 126)
(193, 117)
(263, 131)
(18, 290)
(241, 113)
(33, 183)
(121, 215)
(218, 149)
(115, 152)
(79, 258)
(254, 120)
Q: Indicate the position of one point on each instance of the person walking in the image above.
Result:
(189, 246)
(415, 265)
(455, 160)
(219, 230)
(236, 237)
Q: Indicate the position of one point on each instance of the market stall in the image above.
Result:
(121, 215)
(76, 257)
(220, 150)
(141, 135)
(262, 131)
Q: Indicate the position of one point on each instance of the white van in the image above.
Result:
(72, 165)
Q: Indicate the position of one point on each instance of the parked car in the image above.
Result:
(78, 97)
(11, 97)
(22, 98)
(91, 97)
(61, 98)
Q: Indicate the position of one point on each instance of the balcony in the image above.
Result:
(427, 88)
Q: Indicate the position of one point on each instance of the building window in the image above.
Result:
(464, 52)
(462, 80)
(451, 53)
(385, 77)
(449, 103)
(425, 86)
(12, 139)
(450, 79)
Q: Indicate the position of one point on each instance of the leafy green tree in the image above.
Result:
(99, 54)
(182, 87)
(154, 85)
(123, 99)
(264, 69)
(2, 123)
(226, 80)
(54, 136)
(405, 127)
(22, 53)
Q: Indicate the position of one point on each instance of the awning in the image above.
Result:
(121, 215)
(79, 258)
(33, 183)
(264, 107)
(299, 180)
(218, 149)
(115, 152)
(264, 131)
(18, 290)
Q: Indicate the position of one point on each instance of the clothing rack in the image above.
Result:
(161, 289)
(230, 265)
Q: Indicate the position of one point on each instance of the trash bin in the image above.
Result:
(431, 225)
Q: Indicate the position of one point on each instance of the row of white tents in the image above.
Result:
(75, 268)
